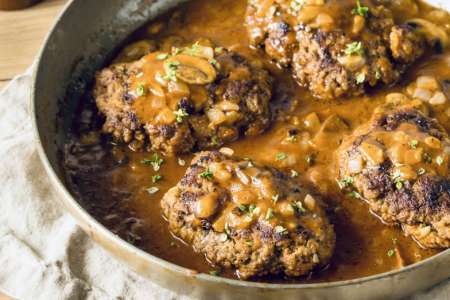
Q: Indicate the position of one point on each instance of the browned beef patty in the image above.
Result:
(334, 48)
(249, 217)
(399, 164)
(181, 99)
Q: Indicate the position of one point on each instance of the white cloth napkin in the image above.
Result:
(44, 254)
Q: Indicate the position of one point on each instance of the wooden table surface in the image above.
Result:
(22, 33)
(21, 36)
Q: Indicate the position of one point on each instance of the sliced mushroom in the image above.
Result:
(191, 69)
(432, 32)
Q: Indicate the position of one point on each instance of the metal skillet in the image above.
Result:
(79, 43)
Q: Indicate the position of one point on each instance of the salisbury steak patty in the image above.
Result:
(336, 48)
(249, 217)
(184, 98)
(399, 164)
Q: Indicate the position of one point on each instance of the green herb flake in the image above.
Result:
(156, 178)
(140, 90)
(180, 115)
(292, 138)
(294, 174)
(171, 68)
(427, 158)
(275, 198)
(251, 208)
(162, 56)
(345, 182)
(218, 50)
(193, 50)
(299, 207)
(391, 252)
(269, 214)
(249, 243)
(399, 184)
(310, 159)
(360, 78)
(355, 48)
(281, 156)
(207, 174)
(421, 171)
(377, 74)
(297, 5)
(413, 144)
(439, 160)
(214, 62)
(355, 194)
(243, 208)
(362, 11)
(214, 273)
(155, 161)
(214, 141)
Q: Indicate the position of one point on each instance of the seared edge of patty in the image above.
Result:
(261, 248)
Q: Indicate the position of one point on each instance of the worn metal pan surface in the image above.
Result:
(80, 42)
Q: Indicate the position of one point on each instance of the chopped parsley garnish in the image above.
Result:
(251, 208)
(249, 243)
(377, 74)
(421, 171)
(439, 160)
(427, 158)
(413, 144)
(214, 62)
(360, 78)
(207, 174)
(354, 48)
(398, 180)
(269, 214)
(355, 194)
(310, 159)
(297, 5)
(360, 10)
(156, 178)
(391, 252)
(345, 182)
(153, 190)
(193, 50)
(218, 50)
(292, 138)
(140, 90)
(243, 208)
(299, 207)
(180, 115)
(162, 56)
(294, 173)
(275, 198)
(155, 161)
(281, 156)
(214, 141)
(171, 70)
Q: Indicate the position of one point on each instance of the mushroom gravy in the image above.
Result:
(122, 188)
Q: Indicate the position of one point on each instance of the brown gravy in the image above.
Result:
(112, 183)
